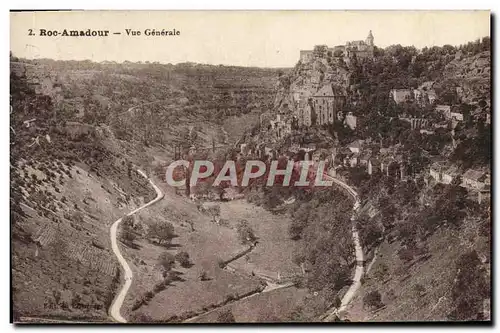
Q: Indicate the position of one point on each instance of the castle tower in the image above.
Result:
(369, 39)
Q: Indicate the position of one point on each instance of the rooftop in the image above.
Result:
(474, 174)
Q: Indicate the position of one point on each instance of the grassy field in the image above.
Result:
(274, 251)
(281, 305)
(205, 242)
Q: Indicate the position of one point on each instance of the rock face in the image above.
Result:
(307, 78)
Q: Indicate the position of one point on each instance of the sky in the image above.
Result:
(240, 38)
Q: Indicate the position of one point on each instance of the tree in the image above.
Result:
(373, 299)
(225, 316)
(337, 302)
(128, 236)
(128, 221)
(320, 51)
(163, 232)
(299, 222)
(245, 232)
(470, 287)
(183, 259)
(204, 276)
(167, 261)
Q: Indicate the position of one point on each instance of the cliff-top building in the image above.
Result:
(360, 48)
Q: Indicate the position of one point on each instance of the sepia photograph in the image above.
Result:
(227, 167)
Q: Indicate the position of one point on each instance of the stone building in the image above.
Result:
(373, 166)
(282, 125)
(425, 95)
(474, 179)
(356, 146)
(360, 49)
(444, 109)
(306, 55)
(457, 115)
(400, 95)
(449, 174)
(327, 102)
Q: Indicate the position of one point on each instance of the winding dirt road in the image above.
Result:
(333, 313)
(114, 310)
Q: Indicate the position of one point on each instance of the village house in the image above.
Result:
(356, 146)
(426, 131)
(307, 150)
(487, 181)
(373, 166)
(243, 148)
(444, 109)
(364, 157)
(350, 120)
(385, 161)
(416, 123)
(332, 172)
(435, 172)
(449, 174)
(457, 115)
(351, 160)
(443, 124)
(281, 126)
(424, 94)
(419, 96)
(485, 193)
(400, 95)
(393, 166)
(431, 95)
(474, 179)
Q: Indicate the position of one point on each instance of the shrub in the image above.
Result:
(337, 302)
(159, 287)
(137, 304)
(225, 316)
(245, 232)
(204, 276)
(221, 263)
(373, 299)
(183, 259)
(419, 289)
(167, 261)
(163, 232)
(149, 295)
(470, 287)
(128, 236)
